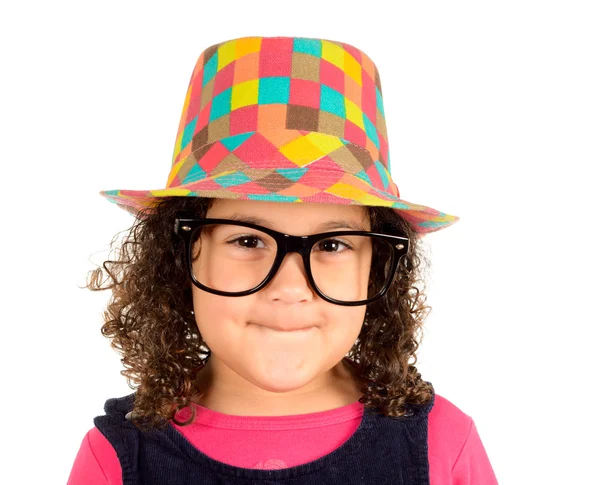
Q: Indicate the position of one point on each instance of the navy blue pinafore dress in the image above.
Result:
(382, 451)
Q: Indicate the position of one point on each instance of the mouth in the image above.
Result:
(285, 330)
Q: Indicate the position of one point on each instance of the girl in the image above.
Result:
(270, 341)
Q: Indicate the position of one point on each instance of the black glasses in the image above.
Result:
(233, 258)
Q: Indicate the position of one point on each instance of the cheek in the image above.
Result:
(217, 316)
(348, 323)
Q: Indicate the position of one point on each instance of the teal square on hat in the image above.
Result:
(332, 101)
(221, 105)
(234, 141)
(273, 197)
(210, 69)
(363, 175)
(195, 173)
(308, 46)
(380, 168)
(379, 101)
(236, 178)
(188, 132)
(292, 173)
(274, 90)
(370, 130)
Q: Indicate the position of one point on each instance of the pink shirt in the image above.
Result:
(456, 453)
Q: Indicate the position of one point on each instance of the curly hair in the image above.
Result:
(149, 319)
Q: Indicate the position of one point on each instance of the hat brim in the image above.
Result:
(246, 185)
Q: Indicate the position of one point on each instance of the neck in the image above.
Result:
(238, 397)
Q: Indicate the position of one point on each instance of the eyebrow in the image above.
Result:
(325, 226)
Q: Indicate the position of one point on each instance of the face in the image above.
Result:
(247, 354)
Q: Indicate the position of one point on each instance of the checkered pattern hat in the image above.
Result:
(285, 119)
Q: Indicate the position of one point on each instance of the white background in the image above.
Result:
(493, 113)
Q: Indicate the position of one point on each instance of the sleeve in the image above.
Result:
(472, 466)
(86, 468)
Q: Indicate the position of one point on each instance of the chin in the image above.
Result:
(281, 377)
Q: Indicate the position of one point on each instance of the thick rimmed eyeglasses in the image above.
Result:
(233, 258)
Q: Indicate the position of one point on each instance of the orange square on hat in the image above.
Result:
(271, 116)
(246, 68)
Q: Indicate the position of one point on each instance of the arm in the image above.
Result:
(472, 466)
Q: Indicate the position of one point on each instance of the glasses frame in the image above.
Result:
(184, 227)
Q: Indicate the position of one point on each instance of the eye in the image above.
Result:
(332, 245)
(246, 242)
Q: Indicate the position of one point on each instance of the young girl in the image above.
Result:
(266, 302)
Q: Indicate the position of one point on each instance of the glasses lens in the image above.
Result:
(342, 270)
(232, 258)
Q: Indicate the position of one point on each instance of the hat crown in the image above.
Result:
(283, 119)
(272, 85)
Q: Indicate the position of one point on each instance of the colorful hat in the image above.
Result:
(284, 119)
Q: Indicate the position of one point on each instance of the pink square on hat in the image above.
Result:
(258, 152)
(305, 93)
(243, 119)
(196, 85)
(375, 177)
(215, 154)
(384, 150)
(206, 184)
(354, 133)
(203, 118)
(332, 76)
(276, 57)
(193, 108)
(248, 188)
(224, 78)
(326, 198)
(321, 179)
(369, 101)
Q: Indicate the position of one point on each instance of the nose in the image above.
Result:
(290, 283)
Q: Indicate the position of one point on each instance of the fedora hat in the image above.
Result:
(284, 119)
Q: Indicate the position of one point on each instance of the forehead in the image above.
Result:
(292, 217)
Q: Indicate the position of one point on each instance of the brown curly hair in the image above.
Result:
(149, 321)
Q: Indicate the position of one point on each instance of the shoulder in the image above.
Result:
(456, 452)
(445, 416)
(96, 462)
(108, 429)
(449, 428)
(105, 455)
